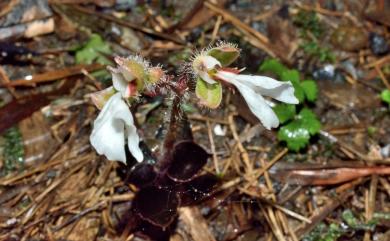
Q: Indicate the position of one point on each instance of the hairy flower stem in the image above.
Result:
(171, 134)
(178, 127)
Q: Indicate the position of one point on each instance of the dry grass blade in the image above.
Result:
(130, 25)
(344, 192)
(370, 206)
(383, 77)
(53, 75)
(241, 148)
(213, 150)
(255, 37)
(196, 224)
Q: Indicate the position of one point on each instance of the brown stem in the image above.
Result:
(171, 134)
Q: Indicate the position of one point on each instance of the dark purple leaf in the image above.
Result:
(188, 158)
(142, 175)
(156, 205)
(198, 189)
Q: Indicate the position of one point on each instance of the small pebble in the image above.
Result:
(378, 44)
(325, 73)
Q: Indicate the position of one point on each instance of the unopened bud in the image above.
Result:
(101, 97)
(155, 74)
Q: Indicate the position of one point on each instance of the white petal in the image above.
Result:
(128, 76)
(210, 62)
(279, 90)
(257, 105)
(120, 84)
(133, 141)
(111, 125)
(204, 63)
(206, 77)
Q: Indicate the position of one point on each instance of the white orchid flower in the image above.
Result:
(113, 125)
(251, 87)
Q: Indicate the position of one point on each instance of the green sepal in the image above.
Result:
(210, 95)
(224, 54)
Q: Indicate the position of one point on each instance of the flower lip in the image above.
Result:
(113, 124)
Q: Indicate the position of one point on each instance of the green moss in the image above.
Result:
(324, 233)
(13, 152)
(308, 22)
(324, 54)
(310, 27)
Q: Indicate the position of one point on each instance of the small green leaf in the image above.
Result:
(382, 215)
(210, 95)
(290, 75)
(371, 130)
(284, 112)
(293, 77)
(297, 133)
(309, 121)
(333, 233)
(385, 96)
(298, 91)
(273, 66)
(92, 51)
(354, 223)
(323, 232)
(310, 89)
(349, 218)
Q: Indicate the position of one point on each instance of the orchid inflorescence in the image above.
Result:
(168, 178)
(134, 77)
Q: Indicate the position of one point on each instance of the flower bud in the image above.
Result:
(132, 68)
(155, 74)
(130, 76)
(101, 97)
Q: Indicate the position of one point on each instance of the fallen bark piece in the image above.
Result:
(28, 30)
(20, 109)
(26, 18)
(24, 11)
